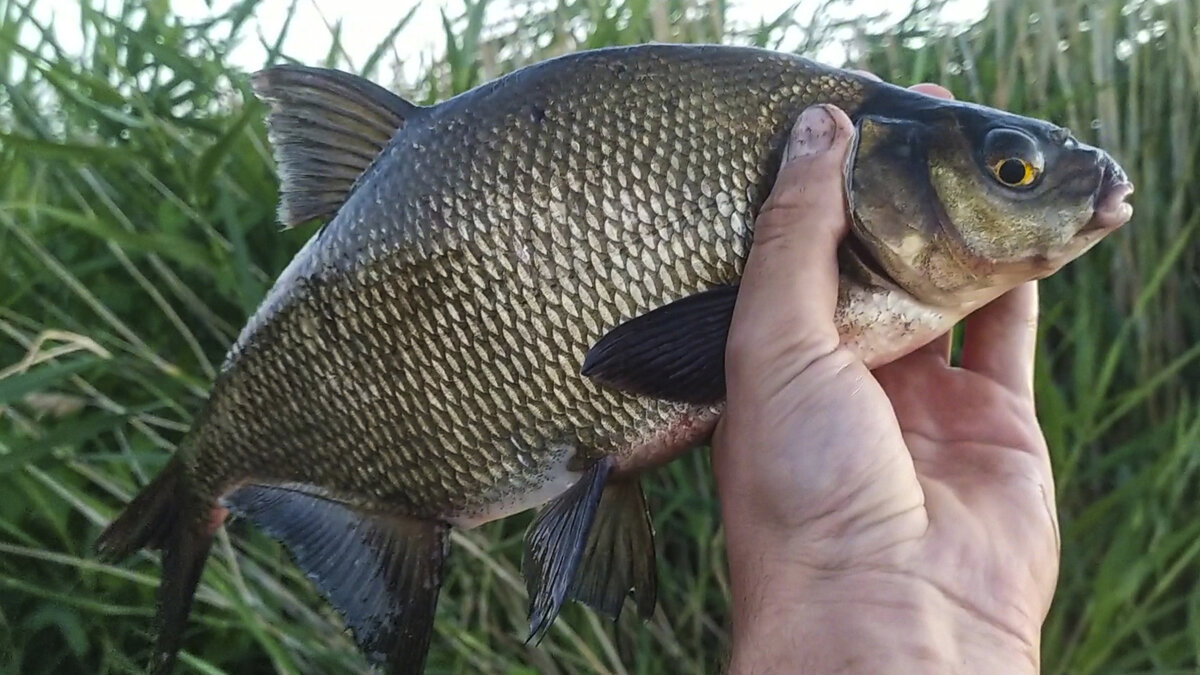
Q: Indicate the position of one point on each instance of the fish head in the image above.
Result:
(956, 203)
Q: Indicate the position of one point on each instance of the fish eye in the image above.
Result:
(1012, 158)
(1014, 172)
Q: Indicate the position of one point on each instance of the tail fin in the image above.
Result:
(146, 520)
(165, 515)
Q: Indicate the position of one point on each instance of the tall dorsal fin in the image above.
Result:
(326, 127)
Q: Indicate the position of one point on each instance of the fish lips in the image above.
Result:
(1111, 210)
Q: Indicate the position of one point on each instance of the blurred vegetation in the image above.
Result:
(137, 203)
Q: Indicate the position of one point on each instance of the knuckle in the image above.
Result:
(773, 223)
(806, 187)
(781, 221)
(785, 204)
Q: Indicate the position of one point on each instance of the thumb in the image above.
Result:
(788, 291)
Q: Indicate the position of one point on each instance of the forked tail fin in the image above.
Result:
(166, 515)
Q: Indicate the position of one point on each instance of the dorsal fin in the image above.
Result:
(326, 127)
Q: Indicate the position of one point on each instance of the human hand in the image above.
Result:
(895, 521)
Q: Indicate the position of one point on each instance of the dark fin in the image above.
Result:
(146, 520)
(164, 515)
(184, 552)
(555, 543)
(381, 571)
(675, 352)
(619, 557)
(326, 128)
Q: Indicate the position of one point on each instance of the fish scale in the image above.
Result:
(523, 295)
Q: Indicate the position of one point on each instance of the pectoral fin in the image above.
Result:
(675, 352)
(381, 571)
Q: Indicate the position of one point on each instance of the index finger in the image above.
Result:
(1001, 338)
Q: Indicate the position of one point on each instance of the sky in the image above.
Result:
(367, 22)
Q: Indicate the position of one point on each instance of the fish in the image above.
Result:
(519, 298)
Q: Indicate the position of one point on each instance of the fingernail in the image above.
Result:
(813, 132)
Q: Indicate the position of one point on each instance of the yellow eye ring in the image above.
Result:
(1014, 172)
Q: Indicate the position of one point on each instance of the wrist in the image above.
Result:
(871, 622)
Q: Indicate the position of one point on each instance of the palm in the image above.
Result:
(927, 471)
(930, 472)
(981, 463)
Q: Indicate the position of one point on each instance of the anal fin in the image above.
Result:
(382, 571)
(619, 556)
(555, 544)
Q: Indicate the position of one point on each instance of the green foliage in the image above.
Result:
(136, 233)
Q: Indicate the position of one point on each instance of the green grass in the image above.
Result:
(137, 202)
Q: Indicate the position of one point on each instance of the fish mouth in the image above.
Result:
(1111, 210)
